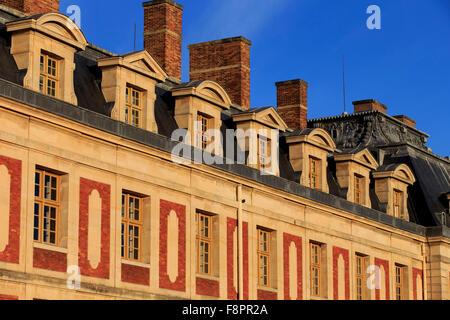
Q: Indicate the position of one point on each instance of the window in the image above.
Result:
(399, 282)
(204, 243)
(46, 207)
(358, 189)
(398, 199)
(316, 254)
(132, 227)
(361, 266)
(203, 125)
(48, 79)
(314, 173)
(133, 110)
(263, 258)
(263, 152)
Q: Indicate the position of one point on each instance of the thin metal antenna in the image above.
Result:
(134, 37)
(343, 83)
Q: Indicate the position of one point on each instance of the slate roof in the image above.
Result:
(390, 141)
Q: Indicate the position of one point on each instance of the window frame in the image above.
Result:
(131, 107)
(361, 276)
(201, 131)
(126, 222)
(262, 165)
(399, 282)
(317, 266)
(41, 201)
(317, 174)
(264, 254)
(398, 203)
(46, 76)
(358, 191)
(204, 239)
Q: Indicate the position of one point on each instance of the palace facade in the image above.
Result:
(95, 205)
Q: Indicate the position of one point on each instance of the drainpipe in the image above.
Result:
(424, 270)
(240, 253)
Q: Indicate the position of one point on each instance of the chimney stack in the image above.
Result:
(406, 120)
(226, 62)
(292, 103)
(368, 105)
(162, 34)
(32, 7)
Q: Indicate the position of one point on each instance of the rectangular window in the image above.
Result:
(358, 189)
(316, 257)
(263, 152)
(361, 266)
(203, 125)
(132, 227)
(314, 173)
(47, 201)
(204, 244)
(133, 110)
(49, 77)
(399, 282)
(398, 199)
(264, 258)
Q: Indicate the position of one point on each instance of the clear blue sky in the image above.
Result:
(405, 65)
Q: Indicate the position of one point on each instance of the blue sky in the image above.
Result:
(405, 65)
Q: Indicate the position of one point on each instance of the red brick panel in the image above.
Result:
(385, 264)
(207, 287)
(290, 96)
(49, 260)
(86, 187)
(336, 253)
(12, 250)
(288, 239)
(267, 295)
(164, 282)
(231, 290)
(415, 273)
(135, 274)
(8, 297)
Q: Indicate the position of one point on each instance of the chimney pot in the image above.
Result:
(292, 103)
(227, 62)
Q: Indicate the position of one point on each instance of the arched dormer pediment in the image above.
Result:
(317, 137)
(363, 157)
(400, 172)
(55, 25)
(207, 90)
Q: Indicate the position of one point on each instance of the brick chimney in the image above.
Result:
(292, 103)
(162, 34)
(368, 105)
(32, 7)
(408, 121)
(226, 62)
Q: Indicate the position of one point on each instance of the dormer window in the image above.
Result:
(359, 187)
(314, 173)
(133, 110)
(391, 187)
(203, 125)
(49, 77)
